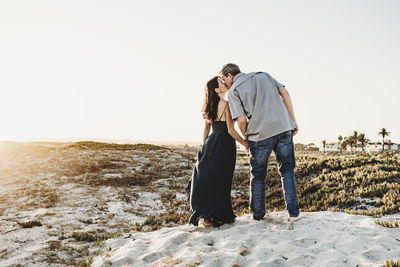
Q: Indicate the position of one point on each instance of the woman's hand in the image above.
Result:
(246, 145)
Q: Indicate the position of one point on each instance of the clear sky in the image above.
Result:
(137, 69)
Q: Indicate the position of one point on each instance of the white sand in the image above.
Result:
(318, 239)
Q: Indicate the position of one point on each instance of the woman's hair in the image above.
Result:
(211, 100)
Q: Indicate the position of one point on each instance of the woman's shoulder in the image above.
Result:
(222, 102)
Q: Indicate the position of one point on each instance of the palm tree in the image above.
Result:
(383, 133)
(344, 144)
(340, 138)
(352, 141)
(363, 140)
(324, 144)
(355, 138)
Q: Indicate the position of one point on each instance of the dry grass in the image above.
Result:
(244, 251)
(392, 263)
(30, 224)
(92, 236)
(90, 145)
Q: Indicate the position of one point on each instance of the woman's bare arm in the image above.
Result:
(231, 128)
(206, 130)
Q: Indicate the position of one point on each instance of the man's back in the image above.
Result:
(256, 96)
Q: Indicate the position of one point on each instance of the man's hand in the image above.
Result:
(242, 123)
(288, 103)
(296, 129)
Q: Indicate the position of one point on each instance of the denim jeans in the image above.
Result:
(282, 145)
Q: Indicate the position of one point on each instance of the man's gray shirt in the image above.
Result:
(256, 96)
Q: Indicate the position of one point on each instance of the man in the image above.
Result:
(264, 112)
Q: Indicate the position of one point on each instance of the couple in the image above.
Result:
(263, 110)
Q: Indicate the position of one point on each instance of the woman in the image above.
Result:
(210, 192)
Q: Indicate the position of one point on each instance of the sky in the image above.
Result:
(136, 70)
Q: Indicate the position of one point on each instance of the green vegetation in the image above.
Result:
(41, 196)
(85, 263)
(395, 224)
(153, 220)
(334, 183)
(58, 253)
(358, 139)
(30, 224)
(177, 214)
(91, 237)
(90, 145)
(391, 263)
(383, 132)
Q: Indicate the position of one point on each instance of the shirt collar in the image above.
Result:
(237, 75)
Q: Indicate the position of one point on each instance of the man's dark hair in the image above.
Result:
(230, 68)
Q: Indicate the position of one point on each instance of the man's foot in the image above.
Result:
(294, 219)
(258, 218)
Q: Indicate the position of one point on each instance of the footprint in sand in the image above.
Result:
(153, 256)
(303, 242)
(374, 255)
(207, 240)
(274, 261)
(179, 239)
(303, 260)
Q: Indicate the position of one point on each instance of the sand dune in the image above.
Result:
(318, 239)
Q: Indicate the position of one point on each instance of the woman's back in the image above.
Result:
(222, 105)
(219, 124)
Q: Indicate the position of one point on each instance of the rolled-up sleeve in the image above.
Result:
(235, 104)
(277, 84)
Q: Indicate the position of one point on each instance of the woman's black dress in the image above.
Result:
(210, 190)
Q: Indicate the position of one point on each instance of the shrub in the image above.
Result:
(395, 224)
(91, 237)
(30, 224)
(392, 263)
(90, 145)
(153, 220)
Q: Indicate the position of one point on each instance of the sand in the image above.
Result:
(318, 239)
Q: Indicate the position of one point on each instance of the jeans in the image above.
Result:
(282, 145)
